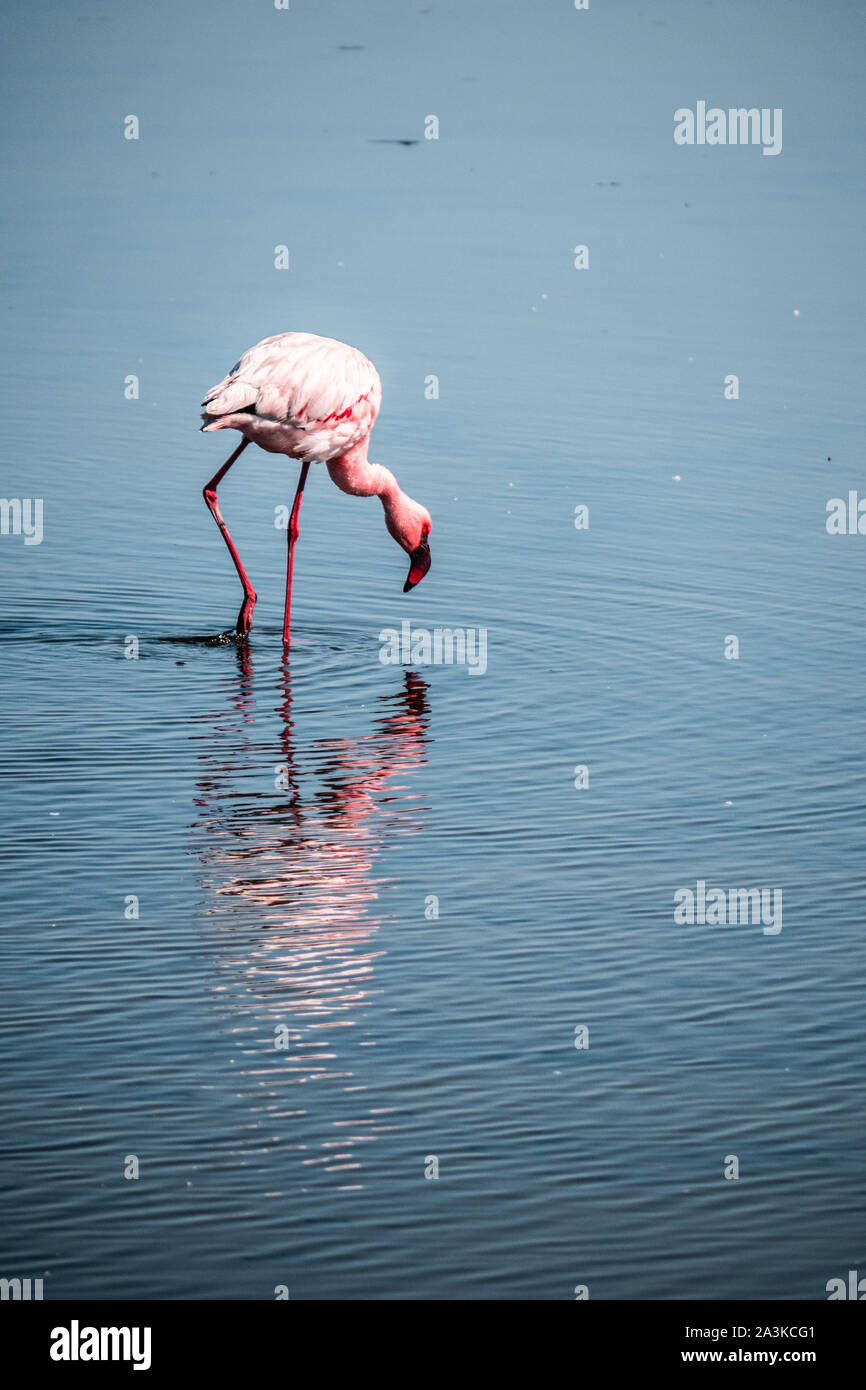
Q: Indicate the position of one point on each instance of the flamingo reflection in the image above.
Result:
(290, 836)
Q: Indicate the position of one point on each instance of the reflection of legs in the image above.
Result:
(245, 616)
(292, 537)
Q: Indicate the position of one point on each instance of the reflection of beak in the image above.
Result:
(419, 564)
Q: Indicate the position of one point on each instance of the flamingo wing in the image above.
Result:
(300, 379)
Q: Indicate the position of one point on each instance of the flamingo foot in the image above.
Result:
(245, 618)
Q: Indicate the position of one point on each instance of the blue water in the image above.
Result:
(285, 829)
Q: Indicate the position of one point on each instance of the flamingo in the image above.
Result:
(315, 400)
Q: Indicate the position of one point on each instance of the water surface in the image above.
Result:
(285, 829)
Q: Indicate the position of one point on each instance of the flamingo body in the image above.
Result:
(311, 398)
(315, 400)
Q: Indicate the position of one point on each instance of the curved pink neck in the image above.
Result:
(354, 473)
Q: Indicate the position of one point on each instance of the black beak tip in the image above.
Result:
(419, 564)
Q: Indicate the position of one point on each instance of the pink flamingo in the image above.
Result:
(313, 399)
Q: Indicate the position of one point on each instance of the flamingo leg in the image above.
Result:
(293, 534)
(209, 492)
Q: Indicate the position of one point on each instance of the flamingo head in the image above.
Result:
(419, 561)
(410, 524)
(415, 527)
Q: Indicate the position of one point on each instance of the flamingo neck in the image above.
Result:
(354, 473)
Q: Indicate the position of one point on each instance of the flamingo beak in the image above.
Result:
(419, 564)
